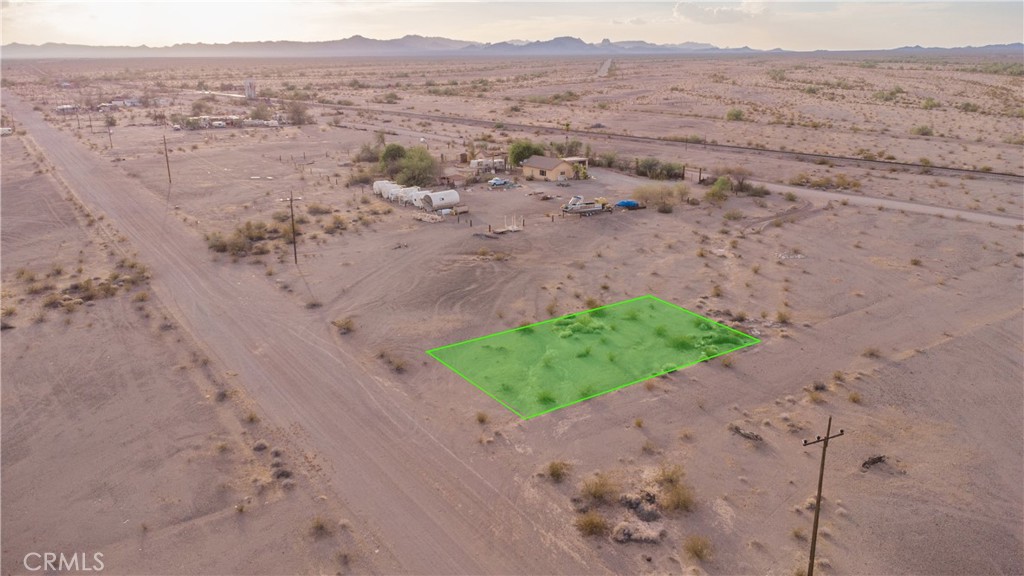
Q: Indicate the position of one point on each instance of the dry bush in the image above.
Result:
(592, 524)
(557, 470)
(600, 488)
(662, 196)
(697, 547)
(395, 363)
(669, 475)
(677, 498)
(344, 325)
(317, 209)
(319, 527)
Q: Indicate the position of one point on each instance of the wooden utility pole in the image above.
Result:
(821, 478)
(167, 157)
(295, 237)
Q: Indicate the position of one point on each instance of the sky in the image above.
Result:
(761, 24)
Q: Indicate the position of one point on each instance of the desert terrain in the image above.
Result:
(881, 268)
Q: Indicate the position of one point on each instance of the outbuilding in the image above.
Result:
(440, 200)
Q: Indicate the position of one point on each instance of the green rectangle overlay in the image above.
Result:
(542, 367)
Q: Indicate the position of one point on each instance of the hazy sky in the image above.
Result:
(818, 24)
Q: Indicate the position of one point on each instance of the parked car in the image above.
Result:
(494, 182)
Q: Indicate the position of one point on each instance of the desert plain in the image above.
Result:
(183, 397)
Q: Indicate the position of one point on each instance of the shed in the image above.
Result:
(440, 200)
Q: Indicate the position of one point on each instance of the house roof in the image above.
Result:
(542, 162)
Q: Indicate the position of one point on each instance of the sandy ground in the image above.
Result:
(902, 325)
(119, 436)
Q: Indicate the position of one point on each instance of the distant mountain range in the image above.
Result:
(413, 45)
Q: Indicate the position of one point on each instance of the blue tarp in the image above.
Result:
(628, 203)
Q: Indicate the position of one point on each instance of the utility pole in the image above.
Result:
(295, 238)
(821, 478)
(168, 159)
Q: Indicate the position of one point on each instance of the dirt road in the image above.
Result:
(425, 509)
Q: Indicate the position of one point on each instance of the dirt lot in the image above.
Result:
(904, 327)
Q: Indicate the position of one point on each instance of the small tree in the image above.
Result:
(417, 168)
(298, 113)
(739, 175)
(260, 112)
(110, 121)
(390, 158)
(520, 150)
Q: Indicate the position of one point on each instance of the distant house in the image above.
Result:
(547, 168)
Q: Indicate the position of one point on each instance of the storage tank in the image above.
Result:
(379, 186)
(440, 200)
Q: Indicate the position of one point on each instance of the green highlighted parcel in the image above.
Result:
(542, 367)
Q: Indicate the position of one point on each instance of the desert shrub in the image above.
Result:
(735, 114)
(592, 524)
(719, 191)
(697, 547)
(669, 475)
(253, 231)
(316, 209)
(482, 417)
(336, 225)
(662, 196)
(557, 470)
(677, 497)
(871, 352)
(319, 527)
(648, 167)
(921, 130)
(782, 317)
(344, 325)
(733, 215)
(600, 488)
(395, 363)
